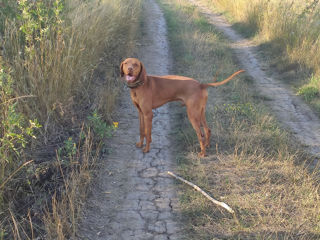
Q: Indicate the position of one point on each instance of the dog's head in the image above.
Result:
(132, 70)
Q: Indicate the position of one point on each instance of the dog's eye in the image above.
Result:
(135, 65)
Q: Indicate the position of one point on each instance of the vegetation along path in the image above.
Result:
(133, 197)
(291, 112)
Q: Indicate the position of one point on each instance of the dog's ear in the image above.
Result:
(121, 69)
(143, 73)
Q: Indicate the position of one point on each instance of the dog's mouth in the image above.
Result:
(130, 78)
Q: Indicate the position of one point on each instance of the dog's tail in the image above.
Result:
(222, 82)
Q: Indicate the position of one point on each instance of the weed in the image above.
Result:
(38, 21)
(310, 91)
(101, 128)
(69, 149)
(15, 130)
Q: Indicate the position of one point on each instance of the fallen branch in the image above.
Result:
(221, 204)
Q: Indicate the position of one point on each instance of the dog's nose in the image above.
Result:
(130, 68)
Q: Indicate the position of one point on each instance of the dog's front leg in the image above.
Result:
(141, 125)
(148, 126)
(142, 129)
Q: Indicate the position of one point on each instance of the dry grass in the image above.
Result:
(60, 71)
(64, 212)
(112, 29)
(252, 165)
(288, 27)
(70, 72)
(294, 25)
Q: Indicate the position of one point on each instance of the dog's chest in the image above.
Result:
(134, 97)
(142, 98)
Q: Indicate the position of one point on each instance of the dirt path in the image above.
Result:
(133, 197)
(291, 111)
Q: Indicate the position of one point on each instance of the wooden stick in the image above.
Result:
(221, 204)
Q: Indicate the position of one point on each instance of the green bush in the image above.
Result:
(308, 93)
(15, 129)
(101, 128)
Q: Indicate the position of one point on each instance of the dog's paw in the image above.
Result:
(139, 144)
(202, 154)
(146, 149)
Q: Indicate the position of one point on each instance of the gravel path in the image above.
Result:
(133, 197)
(290, 110)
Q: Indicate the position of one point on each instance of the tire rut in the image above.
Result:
(133, 197)
(292, 113)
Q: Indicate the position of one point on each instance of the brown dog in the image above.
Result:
(149, 92)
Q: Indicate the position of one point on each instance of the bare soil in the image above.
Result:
(292, 113)
(133, 197)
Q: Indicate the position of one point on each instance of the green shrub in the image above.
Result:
(311, 90)
(15, 129)
(101, 128)
(308, 92)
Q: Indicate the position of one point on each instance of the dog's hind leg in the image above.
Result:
(207, 130)
(194, 116)
(148, 127)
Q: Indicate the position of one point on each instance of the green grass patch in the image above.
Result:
(310, 92)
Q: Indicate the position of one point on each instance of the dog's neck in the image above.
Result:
(136, 84)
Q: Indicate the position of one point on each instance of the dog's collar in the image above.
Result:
(136, 84)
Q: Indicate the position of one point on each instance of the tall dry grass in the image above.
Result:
(290, 29)
(59, 66)
(293, 25)
(59, 60)
(65, 210)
